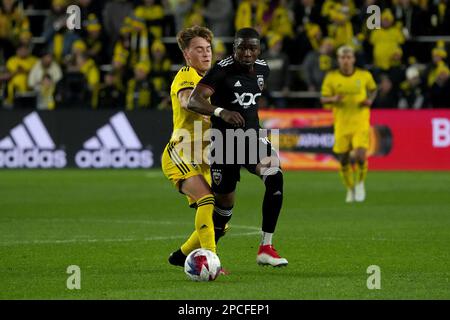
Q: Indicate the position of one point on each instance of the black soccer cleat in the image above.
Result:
(220, 232)
(177, 258)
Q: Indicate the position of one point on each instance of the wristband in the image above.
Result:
(217, 112)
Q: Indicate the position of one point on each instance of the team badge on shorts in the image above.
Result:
(217, 176)
(260, 82)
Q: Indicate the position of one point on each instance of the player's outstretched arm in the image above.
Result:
(332, 99)
(198, 102)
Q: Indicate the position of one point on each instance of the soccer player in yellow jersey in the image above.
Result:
(349, 92)
(190, 177)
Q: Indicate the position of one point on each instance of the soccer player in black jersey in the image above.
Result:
(234, 86)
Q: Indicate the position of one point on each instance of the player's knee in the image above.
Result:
(360, 158)
(225, 200)
(273, 179)
(344, 159)
(360, 161)
(195, 187)
(205, 200)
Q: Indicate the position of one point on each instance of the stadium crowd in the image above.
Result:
(124, 54)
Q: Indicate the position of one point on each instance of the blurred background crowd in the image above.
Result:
(125, 54)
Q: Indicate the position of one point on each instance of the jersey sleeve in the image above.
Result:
(267, 72)
(183, 80)
(371, 85)
(327, 86)
(11, 65)
(213, 77)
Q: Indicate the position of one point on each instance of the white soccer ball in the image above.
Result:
(202, 265)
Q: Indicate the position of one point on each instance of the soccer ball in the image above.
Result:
(202, 265)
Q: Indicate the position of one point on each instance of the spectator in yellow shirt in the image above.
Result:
(160, 68)
(330, 6)
(281, 21)
(140, 93)
(18, 67)
(340, 28)
(131, 48)
(438, 54)
(121, 53)
(12, 22)
(250, 13)
(153, 15)
(94, 40)
(90, 71)
(314, 35)
(78, 48)
(139, 40)
(386, 41)
(195, 17)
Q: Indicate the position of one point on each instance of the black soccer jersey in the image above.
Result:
(236, 89)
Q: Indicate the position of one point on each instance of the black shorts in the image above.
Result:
(225, 175)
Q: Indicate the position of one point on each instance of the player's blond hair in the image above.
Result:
(345, 50)
(185, 36)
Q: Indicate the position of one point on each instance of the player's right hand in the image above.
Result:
(232, 117)
(337, 98)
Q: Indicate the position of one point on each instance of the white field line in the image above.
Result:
(82, 238)
(28, 242)
(123, 221)
(85, 239)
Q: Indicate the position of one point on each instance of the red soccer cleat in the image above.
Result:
(267, 255)
(224, 272)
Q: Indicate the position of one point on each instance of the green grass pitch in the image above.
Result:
(120, 226)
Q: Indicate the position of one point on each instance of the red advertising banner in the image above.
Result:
(399, 139)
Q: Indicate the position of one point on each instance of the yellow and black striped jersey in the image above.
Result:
(183, 119)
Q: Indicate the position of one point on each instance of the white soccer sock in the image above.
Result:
(266, 238)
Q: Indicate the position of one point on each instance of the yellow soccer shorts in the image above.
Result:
(177, 169)
(346, 141)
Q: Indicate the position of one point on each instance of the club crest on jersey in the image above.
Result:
(217, 176)
(260, 82)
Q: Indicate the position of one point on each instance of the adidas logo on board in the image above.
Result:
(29, 145)
(115, 145)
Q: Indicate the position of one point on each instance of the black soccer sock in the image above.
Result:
(273, 198)
(221, 216)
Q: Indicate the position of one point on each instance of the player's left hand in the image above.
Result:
(232, 117)
(366, 103)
